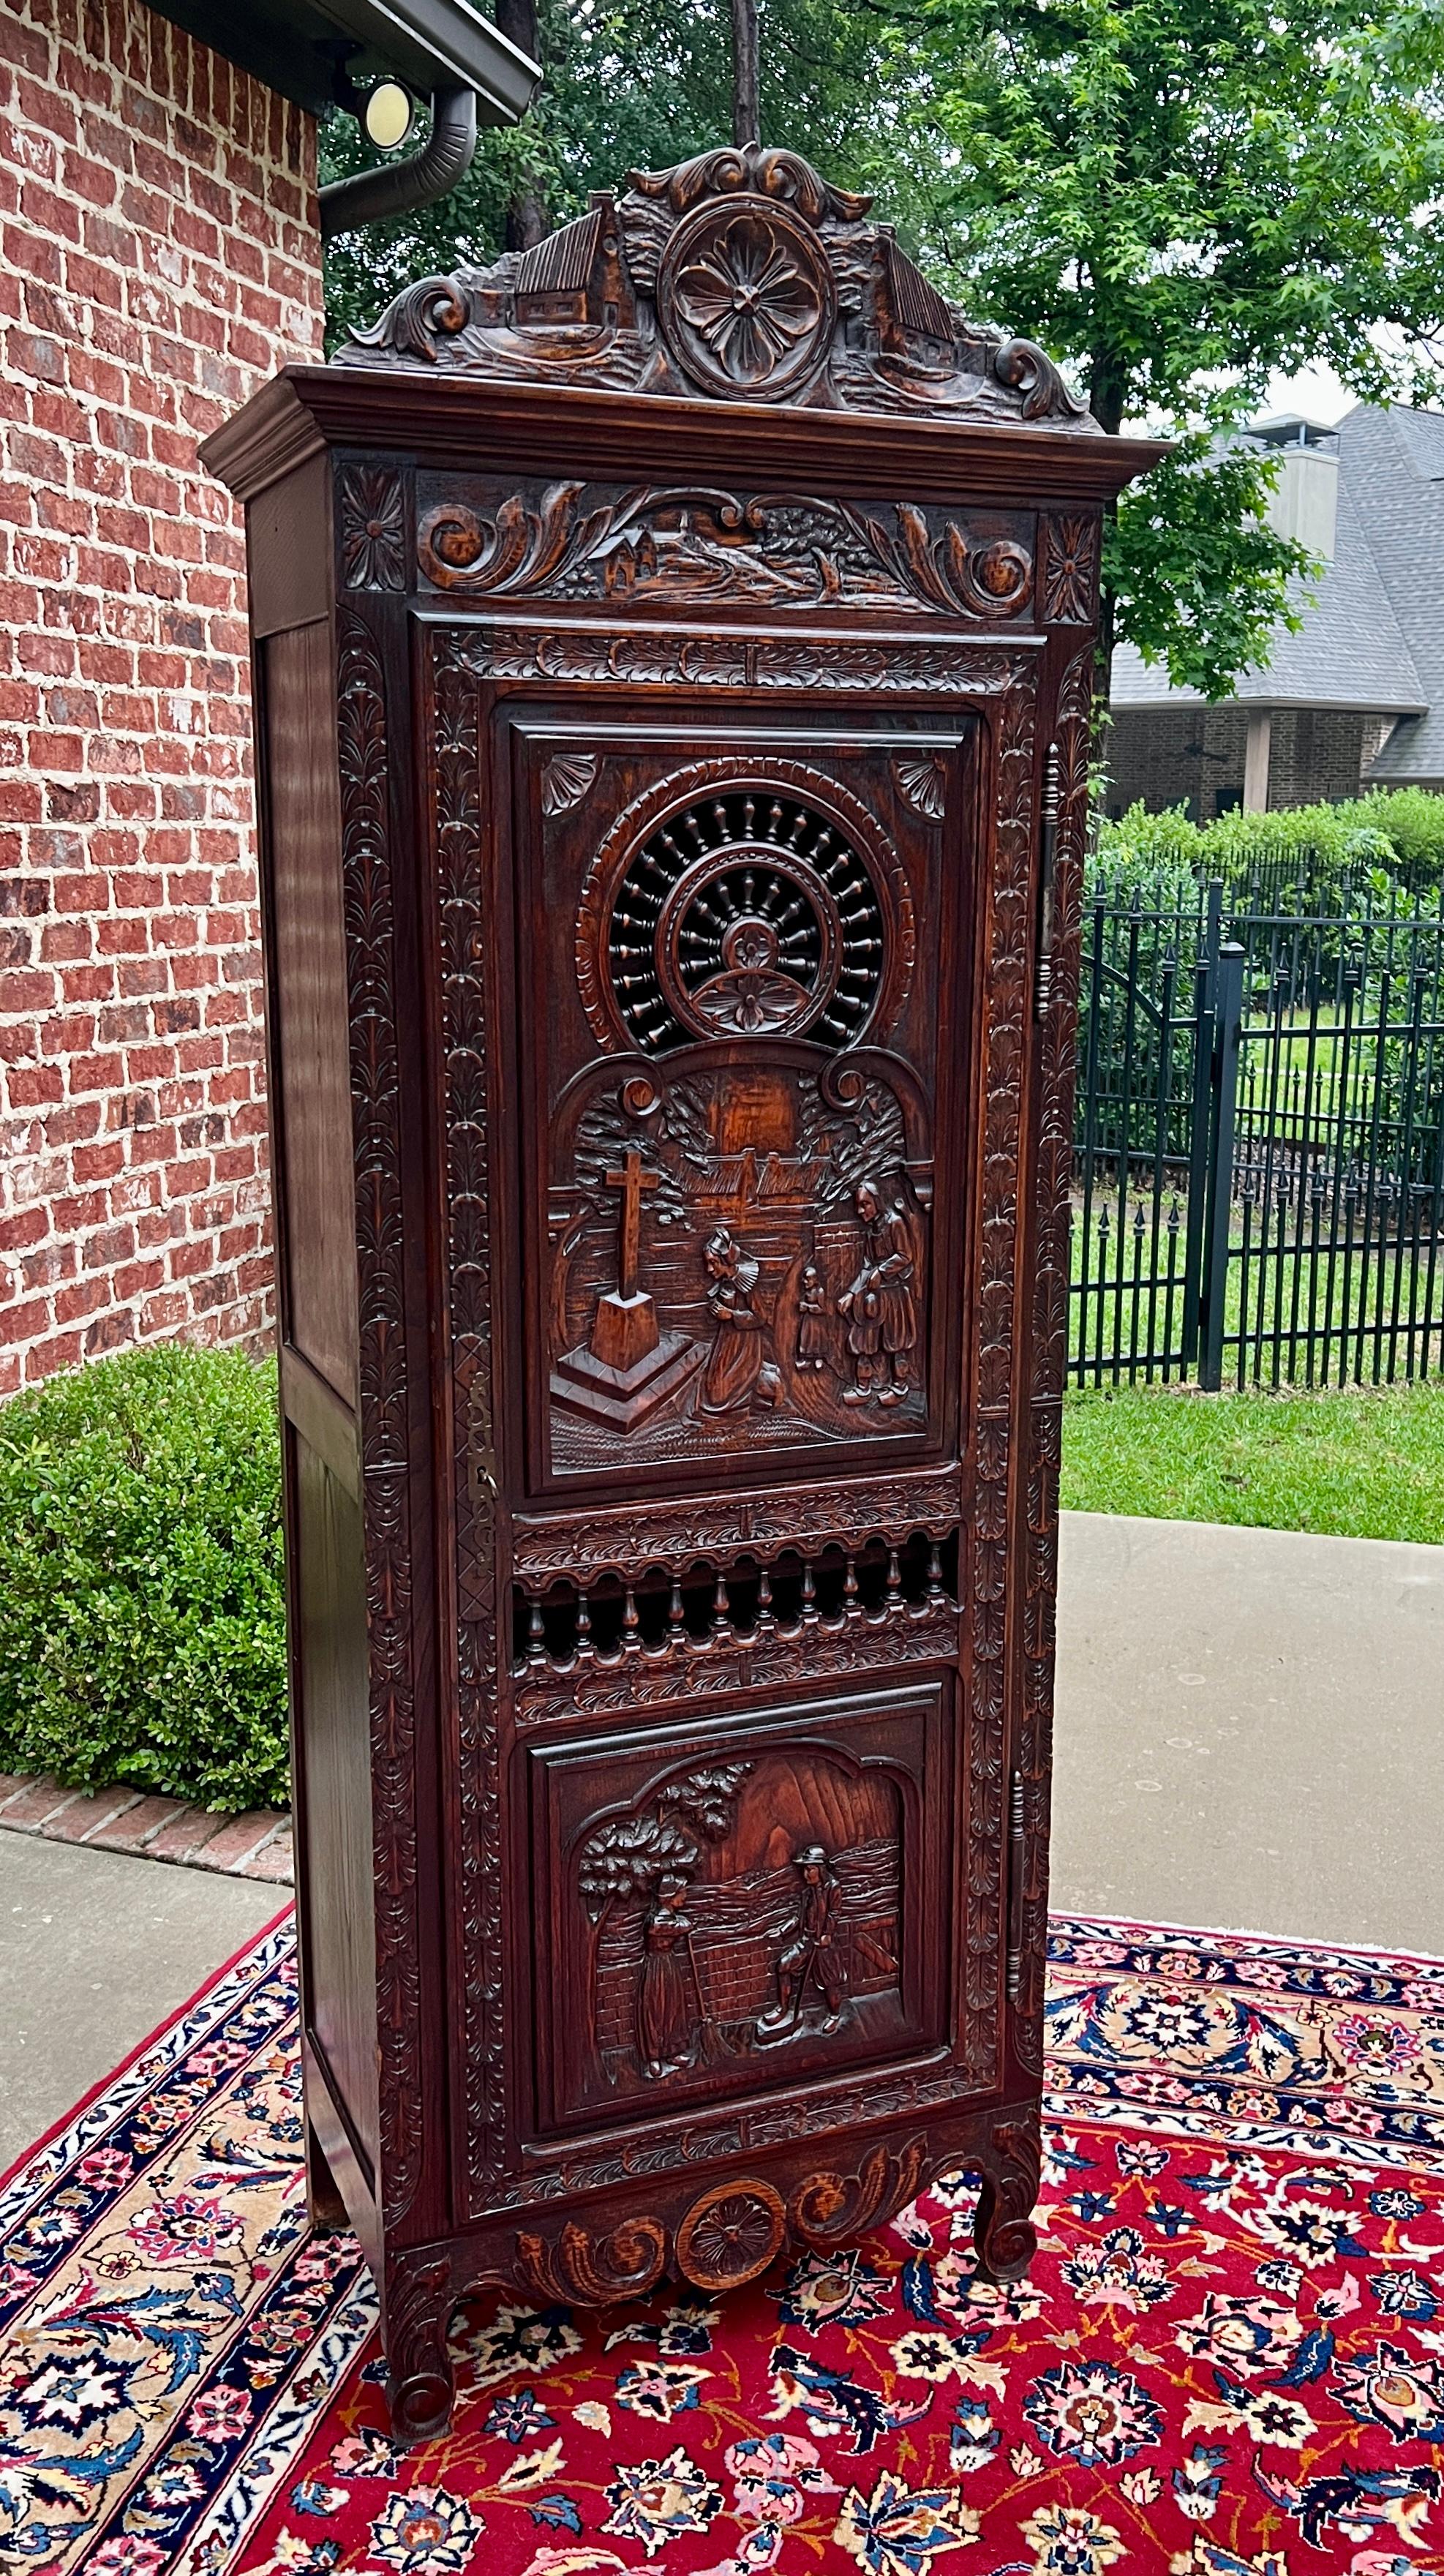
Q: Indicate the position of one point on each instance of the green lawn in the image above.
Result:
(1366, 1464)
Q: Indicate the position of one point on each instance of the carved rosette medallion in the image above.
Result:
(1070, 576)
(730, 2235)
(746, 299)
(373, 528)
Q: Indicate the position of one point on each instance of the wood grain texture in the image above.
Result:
(308, 966)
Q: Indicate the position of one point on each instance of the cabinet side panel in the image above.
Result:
(333, 1683)
(312, 1115)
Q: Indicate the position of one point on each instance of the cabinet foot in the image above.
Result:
(421, 2386)
(324, 2203)
(1003, 2230)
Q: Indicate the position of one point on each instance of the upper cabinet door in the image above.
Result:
(743, 1028)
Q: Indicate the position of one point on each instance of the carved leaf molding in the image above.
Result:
(635, 1541)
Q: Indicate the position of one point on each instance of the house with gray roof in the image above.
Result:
(1355, 699)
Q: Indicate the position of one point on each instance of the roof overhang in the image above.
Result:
(299, 47)
(1264, 702)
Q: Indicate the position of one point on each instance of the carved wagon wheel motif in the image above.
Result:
(746, 299)
(729, 903)
(730, 2235)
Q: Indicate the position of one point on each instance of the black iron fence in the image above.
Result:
(1259, 1174)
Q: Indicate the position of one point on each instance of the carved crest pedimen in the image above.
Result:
(672, 661)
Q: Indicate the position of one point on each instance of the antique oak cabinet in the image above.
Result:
(672, 653)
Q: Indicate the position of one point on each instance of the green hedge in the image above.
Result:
(1388, 845)
(142, 1623)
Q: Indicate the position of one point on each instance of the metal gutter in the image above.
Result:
(399, 187)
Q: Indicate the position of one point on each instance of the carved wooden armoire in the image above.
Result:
(672, 657)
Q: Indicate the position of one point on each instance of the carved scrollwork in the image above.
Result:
(669, 659)
(1031, 372)
(671, 546)
(833, 2209)
(418, 322)
(527, 544)
(990, 578)
(421, 2378)
(1003, 2231)
(731, 2235)
(734, 169)
(592, 2270)
(883, 670)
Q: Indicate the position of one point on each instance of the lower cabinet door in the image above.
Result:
(732, 1911)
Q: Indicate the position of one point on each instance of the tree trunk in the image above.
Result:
(745, 112)
(1107, 396)
(526, 216)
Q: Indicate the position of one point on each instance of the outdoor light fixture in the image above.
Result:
(388, 115)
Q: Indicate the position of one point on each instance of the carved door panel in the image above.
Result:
(738, 1908)
(742, 1092)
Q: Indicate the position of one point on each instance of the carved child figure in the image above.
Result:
(811, 1329)
(881, 1303)
(814, 1954)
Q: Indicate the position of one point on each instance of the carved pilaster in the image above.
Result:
(463, 946)
(1057, 1059)
(385, 1431)
(1006, 1004)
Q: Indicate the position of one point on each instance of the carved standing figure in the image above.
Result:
(881, 1302)
(737, 1367)
(814, 1955)
(811, 1329)
(668, 1997)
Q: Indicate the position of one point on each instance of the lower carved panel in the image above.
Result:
(717, 2238)
(745, 1908)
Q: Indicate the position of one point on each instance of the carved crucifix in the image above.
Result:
(631, 1180)
(628, 1366)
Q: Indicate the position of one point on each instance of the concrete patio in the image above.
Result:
(1248, 1737)
(1249, 1730)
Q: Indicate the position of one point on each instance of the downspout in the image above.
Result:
(399, 187)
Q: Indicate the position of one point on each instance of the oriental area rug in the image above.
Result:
(1228, 2360)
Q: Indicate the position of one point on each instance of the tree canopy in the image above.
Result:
(1177, 198)
(1184, 198)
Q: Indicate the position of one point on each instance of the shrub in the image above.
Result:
(142, 1626)
(1384, 848)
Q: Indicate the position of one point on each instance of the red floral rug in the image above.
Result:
(1228, 2361)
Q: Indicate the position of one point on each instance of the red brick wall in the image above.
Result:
(159, 257)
